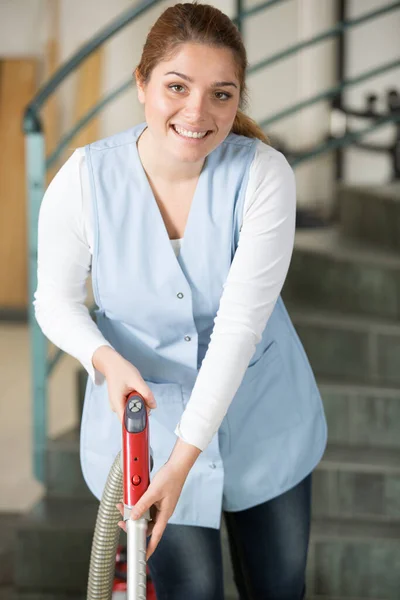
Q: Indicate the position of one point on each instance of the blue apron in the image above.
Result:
(157, 310)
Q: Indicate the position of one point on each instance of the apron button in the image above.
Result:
(180, 295)
(187, 338)
(212, 466)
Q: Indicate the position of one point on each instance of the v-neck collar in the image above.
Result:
(189, 235)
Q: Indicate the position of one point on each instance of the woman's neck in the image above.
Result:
(157, 166)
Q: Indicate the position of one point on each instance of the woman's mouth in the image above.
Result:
(194, 137)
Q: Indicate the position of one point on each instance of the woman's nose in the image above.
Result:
(196, 107)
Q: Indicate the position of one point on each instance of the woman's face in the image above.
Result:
(196, 91)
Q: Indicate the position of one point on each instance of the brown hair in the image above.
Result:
(203, 24)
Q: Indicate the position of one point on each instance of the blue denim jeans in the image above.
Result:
(268, 548)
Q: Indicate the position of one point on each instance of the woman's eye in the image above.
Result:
(227, 96)
(175, 85)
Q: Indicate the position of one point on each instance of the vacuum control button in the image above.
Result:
(136, 479)
(135, 405)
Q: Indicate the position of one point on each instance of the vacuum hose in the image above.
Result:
(128, 481)
(106, 537)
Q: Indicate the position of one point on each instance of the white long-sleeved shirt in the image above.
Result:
(253, 285)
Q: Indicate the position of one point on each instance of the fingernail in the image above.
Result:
(134, 514)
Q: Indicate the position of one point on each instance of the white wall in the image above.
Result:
(23, 29)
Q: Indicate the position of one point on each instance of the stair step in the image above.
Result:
(356, 530)
(8, 525)
(363, 460)
(371, 214)
(361, 415)
(355, 482)
(330, 272)
(7, 593)
(354, 559)
(64, 474)
(53, 544)
(349, 348)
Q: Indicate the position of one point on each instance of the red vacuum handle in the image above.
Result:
(135, 447)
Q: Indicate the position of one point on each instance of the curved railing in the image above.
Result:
(37, 164)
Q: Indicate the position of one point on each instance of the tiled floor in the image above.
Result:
(18, 488)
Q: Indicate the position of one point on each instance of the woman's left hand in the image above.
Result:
(161, 497)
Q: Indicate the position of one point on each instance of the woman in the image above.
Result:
(187, 223)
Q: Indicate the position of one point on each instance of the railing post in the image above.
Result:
(336, 103)
(36, 181)
(239, 11)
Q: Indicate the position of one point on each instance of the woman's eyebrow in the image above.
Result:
(215, 84)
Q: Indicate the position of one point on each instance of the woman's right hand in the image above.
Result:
(122, 378)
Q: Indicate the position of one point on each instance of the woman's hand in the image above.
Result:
(161, 497)
(122, 379)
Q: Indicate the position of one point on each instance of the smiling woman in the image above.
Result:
(186, 223)
(188, 111)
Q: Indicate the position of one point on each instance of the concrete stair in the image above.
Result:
(344, 275)
(361, 415)
(53, 546)
(372, 215)
(358, 483)
(352, 559)
(65, 479)
(348, 348)
(343, 295)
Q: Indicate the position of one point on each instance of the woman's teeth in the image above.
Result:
(189, 134)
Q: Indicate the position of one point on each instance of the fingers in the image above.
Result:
(122, 525)
(143, 389)
(150, 527)
(156, 535)
(120, 412)
(145, 502)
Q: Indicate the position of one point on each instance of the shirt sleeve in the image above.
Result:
(253, 285)
(64, 263)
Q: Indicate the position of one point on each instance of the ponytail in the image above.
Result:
(244, 125)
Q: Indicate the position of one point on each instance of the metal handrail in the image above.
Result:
(87, 117)
(332, 32)
(330, 93)
(30, 117)
(346, 140)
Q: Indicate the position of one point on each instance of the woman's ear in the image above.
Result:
(140, 87)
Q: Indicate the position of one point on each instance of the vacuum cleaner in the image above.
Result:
(129, 478)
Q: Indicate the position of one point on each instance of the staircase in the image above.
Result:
(343, 293)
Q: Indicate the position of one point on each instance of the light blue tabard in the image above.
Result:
(158, 310)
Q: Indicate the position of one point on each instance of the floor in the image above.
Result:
(18, 488)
